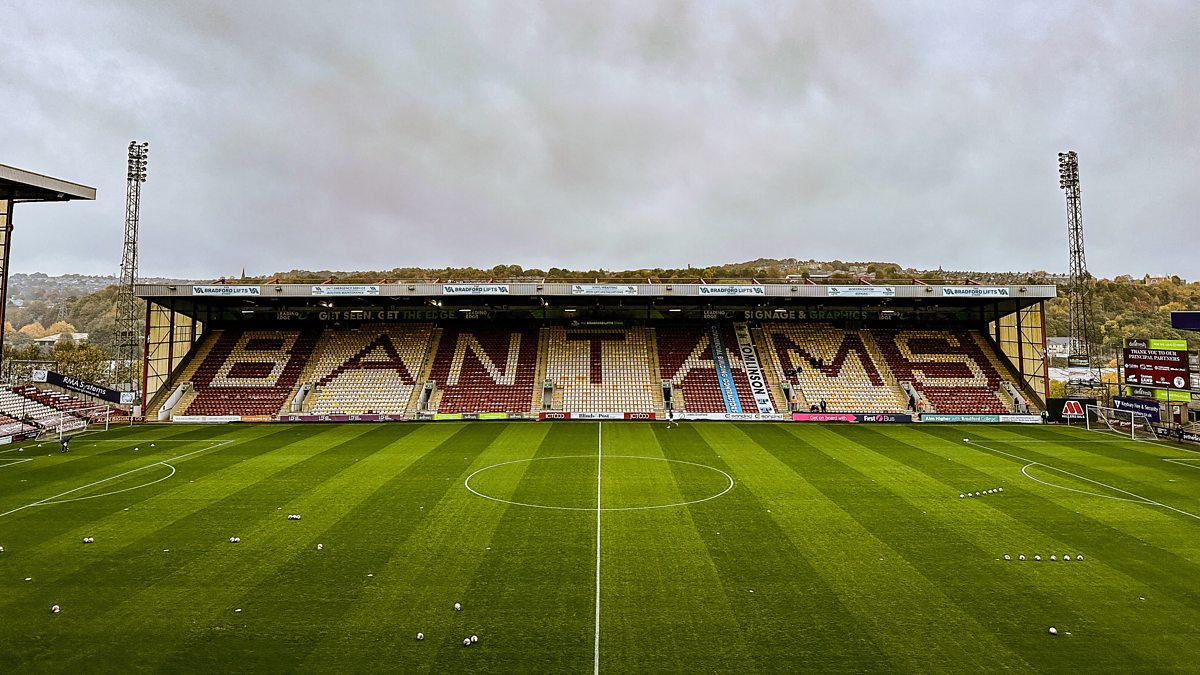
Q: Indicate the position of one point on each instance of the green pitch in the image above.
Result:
(715, 548)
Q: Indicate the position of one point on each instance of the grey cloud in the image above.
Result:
(615, 134)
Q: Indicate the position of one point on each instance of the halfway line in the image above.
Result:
(599, 464)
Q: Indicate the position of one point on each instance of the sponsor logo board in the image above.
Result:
(1152, 367)
(603, 289)
(860, 291)
(958, 419)
(332, 290)
(1163, 431)
(1148, 408)
(226, 290)
(734, 417)
(341, 418)
(81, 387)
(206, 419)
(975, 291)
(870, 418)
(1059, 409)
(718, 289)
(475, 289)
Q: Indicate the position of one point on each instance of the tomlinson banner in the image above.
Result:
(475, 289)
(602, 289)
(226, 290)
(975, 291)
(716, 289)
(754, 372)
(324, 290)
(860, 291)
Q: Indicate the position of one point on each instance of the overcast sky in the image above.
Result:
(614, 134)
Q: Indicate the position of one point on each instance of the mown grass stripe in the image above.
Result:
(659, 552)
(531, 595)
(1014, 612)
(303, 597)
(752, 552)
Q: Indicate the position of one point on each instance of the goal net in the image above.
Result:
(1135, 425)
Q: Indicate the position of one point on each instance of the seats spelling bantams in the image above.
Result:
(250, 372)
(368, 370)
(601, 369)
(485, 369)
(685, 358)
(836, 365)
(951, 367)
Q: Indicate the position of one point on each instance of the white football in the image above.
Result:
(966, 440)
(466, 642)
(1053, 630)
(420, 636)
(320, 546)
(1, 549)
(1066, 557)
(1007, 557)
(55, 609)
(1037, 557)
(1000, 489)
(1052, 557)
(474, 638)
(1078, 557)
(960, 496)
(457, 607)
(1021, 557)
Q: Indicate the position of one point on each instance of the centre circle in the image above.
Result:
(626, 482)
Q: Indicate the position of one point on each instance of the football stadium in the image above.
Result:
(622, 476)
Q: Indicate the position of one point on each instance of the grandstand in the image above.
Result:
(616, 350)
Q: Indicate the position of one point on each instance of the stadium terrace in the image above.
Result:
(613, 349)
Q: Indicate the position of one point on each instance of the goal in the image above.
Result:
(1124, 422)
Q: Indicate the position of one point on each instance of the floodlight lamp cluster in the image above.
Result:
(138, 154)
(1068, 170)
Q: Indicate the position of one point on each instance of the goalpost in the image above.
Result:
(1124, 422)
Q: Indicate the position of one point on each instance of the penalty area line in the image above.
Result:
(55, 499)
(1136, 497)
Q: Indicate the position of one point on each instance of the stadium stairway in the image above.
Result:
(423, 376)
